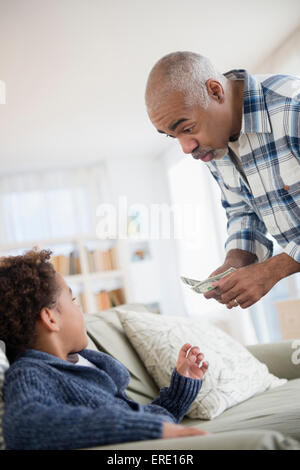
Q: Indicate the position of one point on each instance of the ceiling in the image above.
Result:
(75, 70)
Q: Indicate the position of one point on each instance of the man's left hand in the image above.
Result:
(245, 286)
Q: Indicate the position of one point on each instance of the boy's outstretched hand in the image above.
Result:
(188, 365)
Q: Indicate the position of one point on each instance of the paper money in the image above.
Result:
(189, 282)
(206, 285)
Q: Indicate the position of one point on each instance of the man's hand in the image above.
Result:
(234, 259)
(176, 430)
(188, 364)
(245, 286)
(215, 294)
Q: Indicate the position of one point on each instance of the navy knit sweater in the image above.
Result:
(55, 404)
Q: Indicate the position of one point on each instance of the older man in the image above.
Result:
(246, 129)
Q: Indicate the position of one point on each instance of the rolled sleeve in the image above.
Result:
(293, 250)
(245, 230)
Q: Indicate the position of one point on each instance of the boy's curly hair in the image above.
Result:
(27, 284)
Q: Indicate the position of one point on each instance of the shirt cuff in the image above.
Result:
(248, 242)
(293, 250)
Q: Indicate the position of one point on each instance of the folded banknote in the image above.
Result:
(205, 286)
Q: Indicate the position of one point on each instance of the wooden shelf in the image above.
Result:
(50, 242)
(87, 279)
(113, 274)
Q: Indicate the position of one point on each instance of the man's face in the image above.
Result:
(203, 133)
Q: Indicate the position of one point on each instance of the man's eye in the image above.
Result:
(74, 298)
(188, 130)
(167, 135)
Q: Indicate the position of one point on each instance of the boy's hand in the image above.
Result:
(177, 430)
(189, 366)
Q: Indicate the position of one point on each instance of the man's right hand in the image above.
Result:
(234, 259)
(176, 430)
(214, 294)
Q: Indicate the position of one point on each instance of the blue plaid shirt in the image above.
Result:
(260, 176)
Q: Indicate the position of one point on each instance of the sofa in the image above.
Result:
(269, 420)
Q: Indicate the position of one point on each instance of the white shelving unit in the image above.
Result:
(87, 282)
(142, 272)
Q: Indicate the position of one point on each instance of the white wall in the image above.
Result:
(145, 182)
(75, 70)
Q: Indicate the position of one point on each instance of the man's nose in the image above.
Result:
(188, 144)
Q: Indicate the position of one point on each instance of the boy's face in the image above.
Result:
(72, 329)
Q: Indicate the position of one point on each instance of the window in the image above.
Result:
(34, 215)
(57, 204)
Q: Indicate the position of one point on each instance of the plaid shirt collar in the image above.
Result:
(255, 115)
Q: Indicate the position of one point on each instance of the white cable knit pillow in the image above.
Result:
(234, 374)
(3, 367)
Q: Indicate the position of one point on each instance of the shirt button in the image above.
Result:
(286, 187)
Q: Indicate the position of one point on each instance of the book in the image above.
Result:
(101, 260)
(67, 264)
(83, 302)
(108, 299)
(117, 297)
(103, 300)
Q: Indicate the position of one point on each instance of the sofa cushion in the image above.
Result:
(234, 374)
(254, 439)
(106, 334)
(277, 409)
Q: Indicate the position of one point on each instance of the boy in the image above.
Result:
(60, 395)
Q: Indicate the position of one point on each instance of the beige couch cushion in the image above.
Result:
(107, 335)
(234, 374)
(255, 439)
(277, 409)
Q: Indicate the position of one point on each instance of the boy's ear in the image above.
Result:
(48, 318)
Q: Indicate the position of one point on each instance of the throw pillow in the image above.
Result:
(3, 367)
(234, 374)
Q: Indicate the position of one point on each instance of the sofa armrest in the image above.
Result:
(281, 358)
(251, 439)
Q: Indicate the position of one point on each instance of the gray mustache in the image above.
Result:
(201, 153)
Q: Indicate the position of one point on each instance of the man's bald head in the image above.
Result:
(184, 72)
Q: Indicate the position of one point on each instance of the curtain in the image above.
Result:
(41, 205)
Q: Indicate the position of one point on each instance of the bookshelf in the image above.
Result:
(90, 267)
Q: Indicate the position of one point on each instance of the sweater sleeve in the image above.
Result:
(176, 399)
(33, 421)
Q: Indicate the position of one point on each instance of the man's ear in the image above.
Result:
(215, 90)
(49, 319)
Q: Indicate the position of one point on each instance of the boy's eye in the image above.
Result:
(74, 298)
